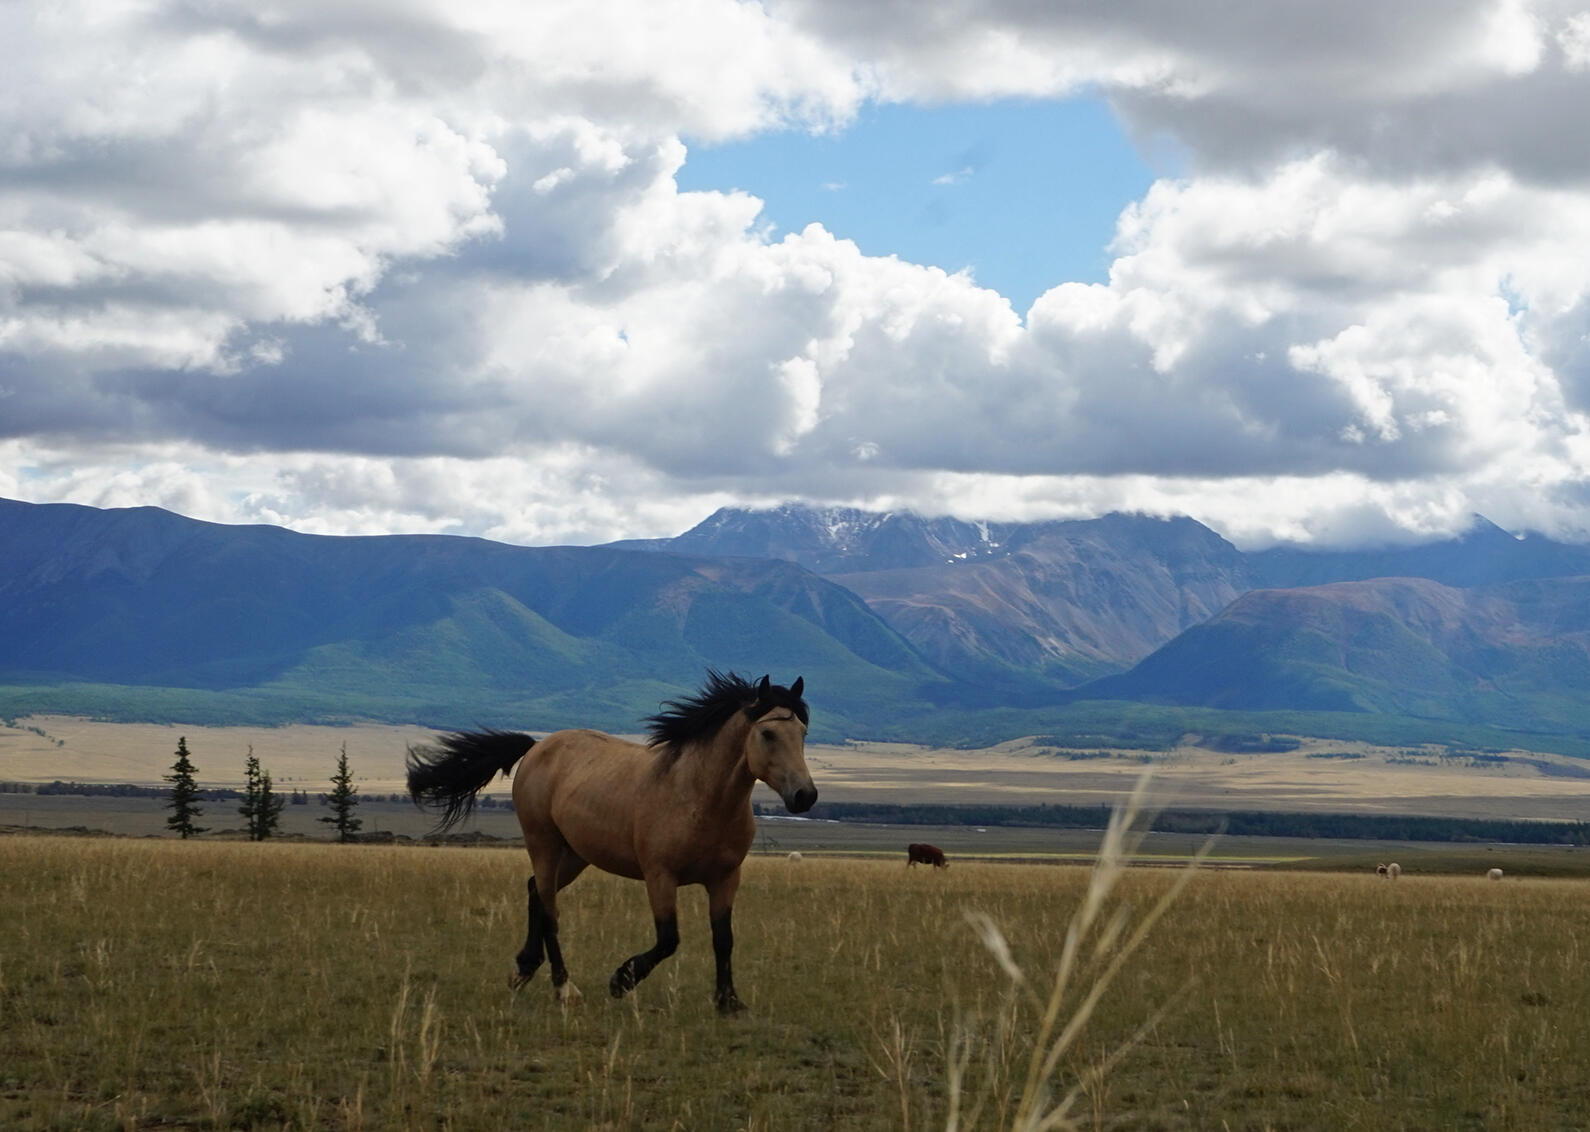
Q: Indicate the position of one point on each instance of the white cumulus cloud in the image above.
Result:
(420, 266)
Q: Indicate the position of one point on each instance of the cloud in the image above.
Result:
(424, 267)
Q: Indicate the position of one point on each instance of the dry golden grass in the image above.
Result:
(168, 984)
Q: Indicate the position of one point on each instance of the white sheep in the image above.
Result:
(1493, 874)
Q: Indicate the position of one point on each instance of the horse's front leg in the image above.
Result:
(663, 891)
(720, 909)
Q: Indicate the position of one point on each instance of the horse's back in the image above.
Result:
(579, 760)
(581, 787)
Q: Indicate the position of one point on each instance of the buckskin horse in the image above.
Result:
(675, 811)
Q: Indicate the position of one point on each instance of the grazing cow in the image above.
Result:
(1393, 870)
(794, 856)
(1494, 874)
(922, 853)
(1380, 871)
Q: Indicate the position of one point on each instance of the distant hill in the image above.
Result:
(832, 540)
(939, 630)
(1011, 610)
(1023, 607)
(1516, 654)
(1483, 555)
(434, 628)
(1058, 603)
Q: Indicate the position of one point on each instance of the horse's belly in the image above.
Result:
(606, 857)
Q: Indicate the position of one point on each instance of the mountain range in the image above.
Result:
(904, 627)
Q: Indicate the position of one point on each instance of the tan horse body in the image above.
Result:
(673, 813)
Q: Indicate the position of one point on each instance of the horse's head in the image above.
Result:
(775, 747)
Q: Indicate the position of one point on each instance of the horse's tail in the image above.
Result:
(449, 775)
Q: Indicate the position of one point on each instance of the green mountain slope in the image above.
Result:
(448, 630)
(1515, 655)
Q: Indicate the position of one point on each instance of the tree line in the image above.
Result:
(1244, 823)
(261, 807)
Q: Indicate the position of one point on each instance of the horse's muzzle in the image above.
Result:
(801, 800)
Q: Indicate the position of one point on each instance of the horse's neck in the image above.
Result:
(725, 779)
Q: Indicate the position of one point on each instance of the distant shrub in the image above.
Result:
(1241, 744)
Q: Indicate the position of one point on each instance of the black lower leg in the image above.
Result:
(723, 952)
(530, 956)
(637, 967)
(549, 935)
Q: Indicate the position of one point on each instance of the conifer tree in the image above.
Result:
(342, 799)
(262, 806)
(184, 794)
(271, 804)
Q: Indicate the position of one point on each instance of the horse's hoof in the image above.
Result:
(730, 1004)
(569, 995)
(517, 979)
(622, 982)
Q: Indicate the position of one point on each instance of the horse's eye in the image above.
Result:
(767, 734)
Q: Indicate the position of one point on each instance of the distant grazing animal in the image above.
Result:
(1393, 870)
(676, 811)
(795, 857)
(1494, 874)
(924, 854)
(1380, 871)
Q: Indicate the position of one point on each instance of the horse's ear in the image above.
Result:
(763, 691)
(798, 687)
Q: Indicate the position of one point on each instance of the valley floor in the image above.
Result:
(1319, 776)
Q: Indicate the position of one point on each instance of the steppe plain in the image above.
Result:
(1321, 775)
(149, 983)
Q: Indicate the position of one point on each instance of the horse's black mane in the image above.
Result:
(682, 721)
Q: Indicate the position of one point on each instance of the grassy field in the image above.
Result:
(161, 984)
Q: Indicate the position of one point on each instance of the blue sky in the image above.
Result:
(1025, 193)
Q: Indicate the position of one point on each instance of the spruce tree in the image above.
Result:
(262, 806)
(184, 794)
(270, 808)
(342, 799)
(250, 807)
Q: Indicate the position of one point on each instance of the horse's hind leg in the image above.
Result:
(541, 938)
(663, 893)
(561, 872)
(534, 950)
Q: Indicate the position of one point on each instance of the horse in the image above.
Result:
(920, 852)
(674, 811)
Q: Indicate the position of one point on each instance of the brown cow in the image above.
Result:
(922, 853)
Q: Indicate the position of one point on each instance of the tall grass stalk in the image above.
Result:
(1113, 946)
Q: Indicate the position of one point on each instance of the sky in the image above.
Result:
(573, 272)
(1017, 192)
